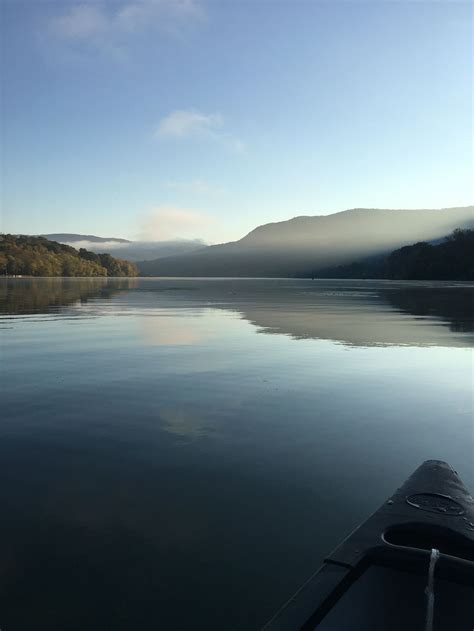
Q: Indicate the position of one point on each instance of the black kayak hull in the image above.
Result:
(376, 578)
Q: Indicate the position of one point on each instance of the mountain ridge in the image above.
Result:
(70, 237)
(292, 247)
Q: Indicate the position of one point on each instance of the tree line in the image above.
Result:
(22, 255)
(452, 259)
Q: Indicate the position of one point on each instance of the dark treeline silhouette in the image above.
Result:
(22, 255)
(453, 259)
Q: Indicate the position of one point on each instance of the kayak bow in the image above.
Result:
(410, 566)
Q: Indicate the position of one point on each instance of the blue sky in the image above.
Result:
(159, 119)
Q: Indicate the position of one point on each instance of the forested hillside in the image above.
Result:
(37, 256)
(453, 259)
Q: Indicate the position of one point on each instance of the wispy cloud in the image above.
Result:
(169, 222)
(110, 26)
(94, 246)
(167, 13)
(81, 22)
(188, 123)
(185, 124)
(197, 187)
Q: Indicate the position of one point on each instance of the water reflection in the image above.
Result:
(400, 317)
(175, 330)
(184, 423)
(454, 305)
(178, 455)
(25, 296)
(355, 313)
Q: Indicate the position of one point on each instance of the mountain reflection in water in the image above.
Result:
(356, 313)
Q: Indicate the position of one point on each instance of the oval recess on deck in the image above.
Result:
(435, 503)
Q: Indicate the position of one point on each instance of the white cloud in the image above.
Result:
(110, 26)
(94, 246)
(182, 124)
(186, 123)
(81, 22)
(139, 15)
(168, 223)
(197, 187)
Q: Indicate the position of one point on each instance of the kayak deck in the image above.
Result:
(385, 599)
(376, 579)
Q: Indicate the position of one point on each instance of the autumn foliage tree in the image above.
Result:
(22, 255)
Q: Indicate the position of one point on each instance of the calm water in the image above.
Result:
(181, 454)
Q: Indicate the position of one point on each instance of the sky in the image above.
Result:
(159, 119)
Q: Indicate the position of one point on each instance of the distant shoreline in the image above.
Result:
(441, 281)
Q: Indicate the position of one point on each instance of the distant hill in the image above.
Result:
(22, 255)
(131, 250)
(295, 247)
(69, 238)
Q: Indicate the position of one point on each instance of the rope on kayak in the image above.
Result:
(429, 590)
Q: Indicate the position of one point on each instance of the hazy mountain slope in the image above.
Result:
(130, 250)
(70, 238)
(451, 258)
(304, 244)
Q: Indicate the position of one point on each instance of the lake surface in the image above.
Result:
(182, 454)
